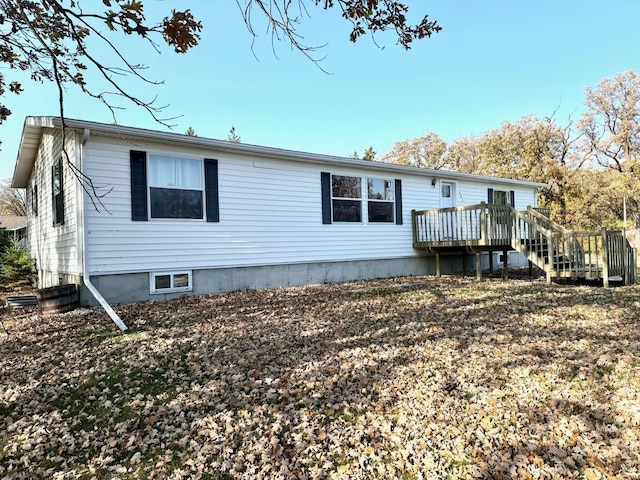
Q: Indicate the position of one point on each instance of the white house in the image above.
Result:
(174, 214)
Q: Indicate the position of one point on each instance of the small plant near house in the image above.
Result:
(17, 271)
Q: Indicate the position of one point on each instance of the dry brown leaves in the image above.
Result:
(402, 378)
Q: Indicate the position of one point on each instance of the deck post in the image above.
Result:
(505, 264)
(465, 267)
(479, 266)
(530, 269)
(414, 225)
(605, 259)
(438, 272)
(625, 258)
(490, 261)
(483, 224)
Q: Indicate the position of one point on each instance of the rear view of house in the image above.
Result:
(144, 214)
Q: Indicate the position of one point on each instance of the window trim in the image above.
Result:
(157, 291)
(392, 185)
(140, 190)
(359, 199)
(510, 197)
(326, 198)
(202, 189)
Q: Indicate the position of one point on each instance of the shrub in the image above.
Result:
(17, 270)
(5, 242)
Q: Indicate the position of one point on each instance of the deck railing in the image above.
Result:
(560, 252)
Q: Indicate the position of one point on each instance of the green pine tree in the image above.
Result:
(17, 270)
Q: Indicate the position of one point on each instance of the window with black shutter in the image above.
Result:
(342, 199)
(173, 188)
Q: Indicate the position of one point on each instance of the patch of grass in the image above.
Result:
(87, 402)
(403, 360)
(97, 337)
(348, 416)
(7, 409)
(461, 463)
(408, 476)
(603, 370)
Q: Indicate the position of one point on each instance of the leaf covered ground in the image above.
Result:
(415, 377)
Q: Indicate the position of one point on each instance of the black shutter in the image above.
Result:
(512, 198)
(54, 202)
(398, 201)
(490, 195)
(60, 197)
(211, 189)
(57, 191)
(325, 182)
(138, 186)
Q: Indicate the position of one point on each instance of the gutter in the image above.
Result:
(85, 275)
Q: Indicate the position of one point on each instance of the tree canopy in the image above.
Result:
(591, 168)
(59, 40)
(50, 39)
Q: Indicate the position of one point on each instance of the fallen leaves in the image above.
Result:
(409, 378)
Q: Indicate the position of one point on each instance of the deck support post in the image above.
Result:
(530, 269)
(465, 267)
(505, 264)
(438, 271)
(490, 261)
(605, 259)
(479, 266)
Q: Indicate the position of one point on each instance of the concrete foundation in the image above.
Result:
(135, 287)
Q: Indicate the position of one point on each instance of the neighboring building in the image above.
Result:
(177, 214)
(16, 228)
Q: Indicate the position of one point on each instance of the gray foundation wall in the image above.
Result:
(134, 287)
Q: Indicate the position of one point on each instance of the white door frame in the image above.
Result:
(452, 192)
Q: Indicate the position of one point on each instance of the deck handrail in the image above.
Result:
(557, 250)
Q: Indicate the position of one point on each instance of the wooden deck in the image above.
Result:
(561, 253)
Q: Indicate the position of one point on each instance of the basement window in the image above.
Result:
(170, 282)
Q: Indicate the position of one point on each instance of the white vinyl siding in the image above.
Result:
(270, 213)
(54, 247)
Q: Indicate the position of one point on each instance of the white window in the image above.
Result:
(346, 198)
(176, 187)
(381, 200)
(169, 282)
(500, 197)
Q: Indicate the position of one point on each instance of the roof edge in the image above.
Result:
(34, 126)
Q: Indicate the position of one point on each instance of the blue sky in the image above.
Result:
(494, 61)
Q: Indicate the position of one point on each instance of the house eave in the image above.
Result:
(34, 126)
(28, 149)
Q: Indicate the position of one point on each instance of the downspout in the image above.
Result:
(85, 275)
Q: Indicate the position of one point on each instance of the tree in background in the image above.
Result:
(611, 126)
(369, 154)
(12, 200)
(233, 136)
(589, 169)
(427, 151)
(191, 132)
